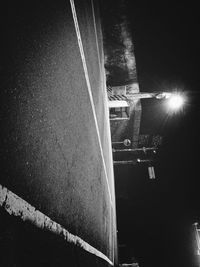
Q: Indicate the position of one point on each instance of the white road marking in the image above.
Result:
(89, 90)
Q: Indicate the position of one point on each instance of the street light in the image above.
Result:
(175, 102)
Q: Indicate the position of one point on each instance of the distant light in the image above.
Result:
(151, 172)
(127, 142)
(175, 102)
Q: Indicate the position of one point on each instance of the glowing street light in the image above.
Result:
(119, 104)
(175, 101)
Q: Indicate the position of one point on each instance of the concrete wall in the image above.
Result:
(55, 140)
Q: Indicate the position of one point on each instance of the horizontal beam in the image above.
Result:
(159, 95)
(132, 162)
(118, 104)
(144, 149)
(125, 162)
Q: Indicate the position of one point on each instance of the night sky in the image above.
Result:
(155, 216)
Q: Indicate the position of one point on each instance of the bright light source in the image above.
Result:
(175, 102)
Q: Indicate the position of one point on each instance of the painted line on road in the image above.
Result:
(89, 89)
(16, 206)
(102, 73)
(96, 37)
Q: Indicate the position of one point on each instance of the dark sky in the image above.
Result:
(155, 217)
(166, 43)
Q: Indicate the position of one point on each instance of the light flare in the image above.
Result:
(175, 102)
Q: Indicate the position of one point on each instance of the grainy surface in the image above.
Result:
(50, 153)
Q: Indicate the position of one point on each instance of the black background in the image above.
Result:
(155, 217)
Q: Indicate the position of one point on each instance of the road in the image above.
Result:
(55, 138)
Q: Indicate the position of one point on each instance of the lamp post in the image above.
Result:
(174, 102)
